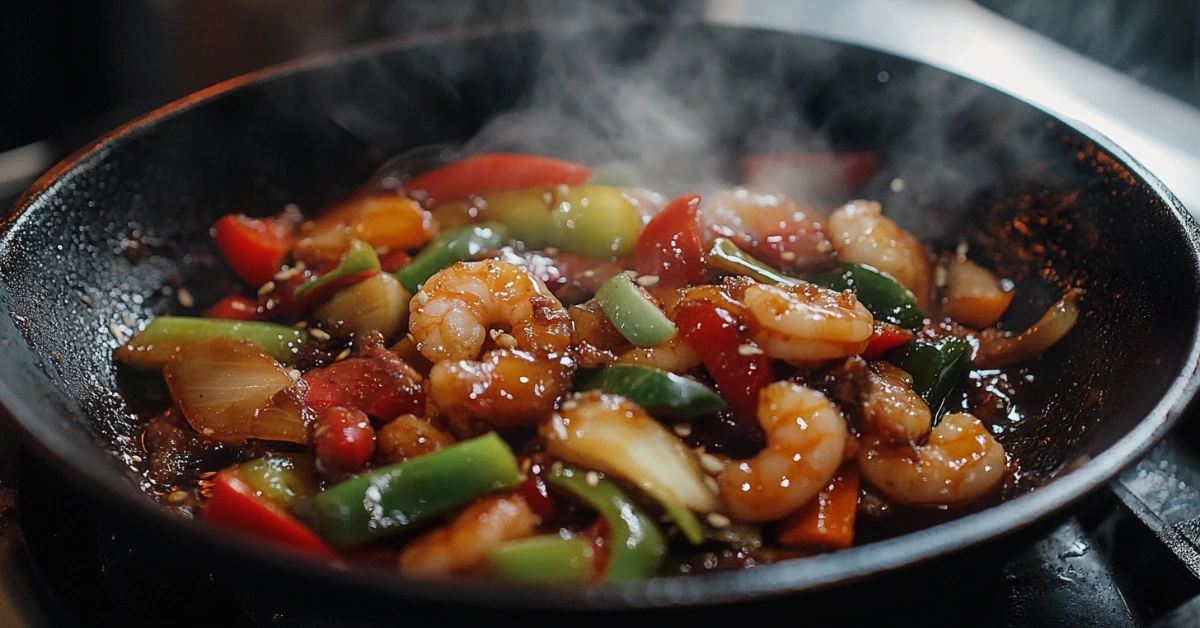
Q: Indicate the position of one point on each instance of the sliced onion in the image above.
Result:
(974, 296)
(610, 434)
(996, 350)
(230, 391)
(379, 303)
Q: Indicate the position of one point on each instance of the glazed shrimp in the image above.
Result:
(781, 231)
(862, 235)
(806, 442)
(463, 544)
(960, 462)
(507, 388)
(675, 356)
(893, 410)
(807, 324)
(453, 312)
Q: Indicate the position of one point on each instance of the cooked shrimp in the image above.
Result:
(893, 410)
(409, 436)
(674, 355)
(594, 337)
(806, 441)
(780, 230)
(807, 324)
(960, 462)
(453, 312)
(862, 235)
(464, 543)
(507, 388)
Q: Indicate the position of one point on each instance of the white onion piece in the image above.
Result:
(974, 296)
(230, 391)
(610, 434)
(379, 303)
(1002, 350)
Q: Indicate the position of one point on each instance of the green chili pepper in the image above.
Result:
(358, 260)
(636, 546)
(937, 368)
(460, 245)
(726, 256)
(633, 313)
(657, 391)
(398, 496)
(548, 559)
(151, 347)
(887, 299)
(283, 479)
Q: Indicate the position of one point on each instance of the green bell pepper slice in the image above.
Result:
(635, 544)
(285, 479)
(399, 496)
(656, 391)
(726, 256)
(937, 368)
(887, 299)
(460, 245)
(359, 260)
(549, 559)
(633, 313)
(151, 347)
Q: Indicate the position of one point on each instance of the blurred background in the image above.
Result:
(74, 68)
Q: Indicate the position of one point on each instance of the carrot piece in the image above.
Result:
(828, 519)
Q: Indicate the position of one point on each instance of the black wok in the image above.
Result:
(1052, 204)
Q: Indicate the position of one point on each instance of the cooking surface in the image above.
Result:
(1109, 564)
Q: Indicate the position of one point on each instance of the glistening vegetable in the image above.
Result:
(657, 391)
(937, 368)
(633, 313)
(456, 246)
(636, 546)
(398, 496)
(151, 347)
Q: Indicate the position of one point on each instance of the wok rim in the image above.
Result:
(51, 443)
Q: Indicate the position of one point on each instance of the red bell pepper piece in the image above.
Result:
(717, 336)
(494, 172)
(828, 519)
(671, 246)
(254, 247)
(234, 506)
(394, 260)
(886, 337)
(378, 382)
(343, 439)
(236, 308)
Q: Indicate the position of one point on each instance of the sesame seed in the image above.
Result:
(238, 305)
(940, 276)
(116, 332)
(646, 281)
(294, 374)
(266, 288)
(135, 458)
(343, 355)
(177, 497)
(319, 334)
(550, 251)
(557, 467)
(749, 350)
(526, 465)
(897, 185)
(495, 333)
(961, 249)
(824, 246)
(505, 341)
(787, 256)
(270, 304)
(185, 298)
(300, 324)
(718, 520)
(569, 405)
(683, 430)
(592, 478)
(711, 463)
(286, 274)
(587, 274)
(208, 431)
(128, 320)
(711, 484)
(632, 274)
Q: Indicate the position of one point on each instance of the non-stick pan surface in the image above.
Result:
(1054, 206)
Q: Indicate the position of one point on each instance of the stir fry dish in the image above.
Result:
(499, 368)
